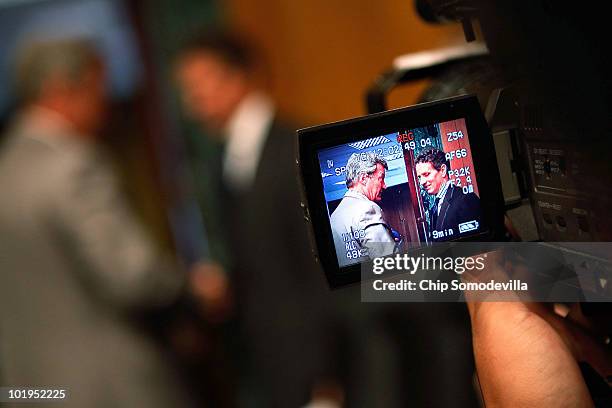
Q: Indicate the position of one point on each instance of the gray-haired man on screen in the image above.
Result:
(358, 225)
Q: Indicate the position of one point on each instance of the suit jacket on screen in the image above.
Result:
(456, 208)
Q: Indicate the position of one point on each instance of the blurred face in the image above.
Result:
(81, 101)
(89, 101)
(430, 178)
(375, 184)
(210, 88)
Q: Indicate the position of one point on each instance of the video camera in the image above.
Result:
(533, 134)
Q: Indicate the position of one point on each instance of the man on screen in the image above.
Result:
(453, 212)
(359, 228)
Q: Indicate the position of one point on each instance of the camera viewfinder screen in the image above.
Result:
(389, 193)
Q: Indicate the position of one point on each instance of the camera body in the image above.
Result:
(542, 143)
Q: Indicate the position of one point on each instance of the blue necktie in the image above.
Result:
(434, 213)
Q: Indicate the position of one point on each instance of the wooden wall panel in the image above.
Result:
(323, 54)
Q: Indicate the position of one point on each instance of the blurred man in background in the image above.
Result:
(76, 266)
(280, 292)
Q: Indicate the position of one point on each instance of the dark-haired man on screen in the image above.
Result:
(453, 211)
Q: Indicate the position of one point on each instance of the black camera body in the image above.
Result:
(546, 87)
(544, 83)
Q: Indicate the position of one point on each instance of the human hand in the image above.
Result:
(209, 285)
(527, 355)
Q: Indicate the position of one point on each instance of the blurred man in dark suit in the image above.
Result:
(279, 290)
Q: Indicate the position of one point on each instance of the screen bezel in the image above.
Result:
(311, 140)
